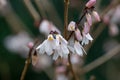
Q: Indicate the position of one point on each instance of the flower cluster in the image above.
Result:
(56, 45)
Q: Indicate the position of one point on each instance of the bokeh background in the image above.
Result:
(19, 25)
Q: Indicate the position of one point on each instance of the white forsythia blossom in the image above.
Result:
(55, 44)
(47, 46)
(86, 38)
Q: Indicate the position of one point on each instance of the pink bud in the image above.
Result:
(30, 45)
(90, 3)
(96, 15)
(78, 35)
(89, 19)
(86, 28)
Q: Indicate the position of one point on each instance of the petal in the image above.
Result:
(63, 41)
(64, 49)
(49, 47)
(59, 51)
(41, 48)
(55, 56)
(78, 49)
(88, 36)
(85, 41)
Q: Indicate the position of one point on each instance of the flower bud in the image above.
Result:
(71, 26)
(90, 3)
(86, 28)
(89, 19)
(30, 45)
(96, 15)
(78, 35)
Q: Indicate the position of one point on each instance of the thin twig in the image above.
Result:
(102, 59)
(66, 3)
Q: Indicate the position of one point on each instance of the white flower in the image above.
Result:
(75, 47)
(61, 48)
(86, 38)
(56, 45)
(71, 26)
(78, 48)
(47, 46)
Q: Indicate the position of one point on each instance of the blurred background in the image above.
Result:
(19, 25)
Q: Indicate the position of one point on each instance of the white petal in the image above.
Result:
(41, 48)
(49, 47)
(59, 51)
(78, 48)
(88, 36)
(71, 48)
(85, 41)
(64, 49)
(63, 40)
(55, 56)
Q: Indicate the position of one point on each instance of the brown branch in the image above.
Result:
(66, 3)
(28, 61)
(107, 56)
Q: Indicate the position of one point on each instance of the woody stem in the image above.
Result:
(66, 4)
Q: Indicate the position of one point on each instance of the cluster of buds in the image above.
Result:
(84, 37)
(56, 45)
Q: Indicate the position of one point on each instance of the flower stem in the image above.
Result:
(66, 3)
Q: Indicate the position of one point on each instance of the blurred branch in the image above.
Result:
(13, 19)
(28, 61)
(48, 11)
(107, 56)
(41, 8)
(32, 10)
